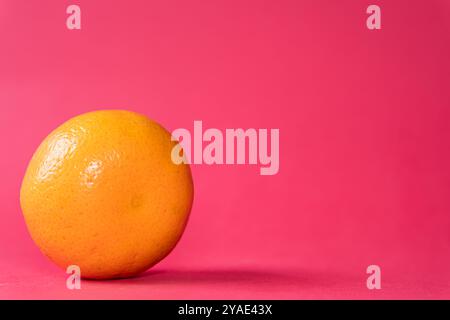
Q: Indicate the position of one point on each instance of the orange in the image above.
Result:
(102, 193)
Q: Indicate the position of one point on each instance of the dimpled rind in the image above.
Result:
(101, 192)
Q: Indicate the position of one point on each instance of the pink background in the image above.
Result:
(364, 119)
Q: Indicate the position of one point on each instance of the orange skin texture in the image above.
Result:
(101, 192)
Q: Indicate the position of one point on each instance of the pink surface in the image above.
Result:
(364, 123)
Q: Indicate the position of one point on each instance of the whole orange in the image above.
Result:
(101, 192)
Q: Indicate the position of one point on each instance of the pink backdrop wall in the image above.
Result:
(364, 139)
